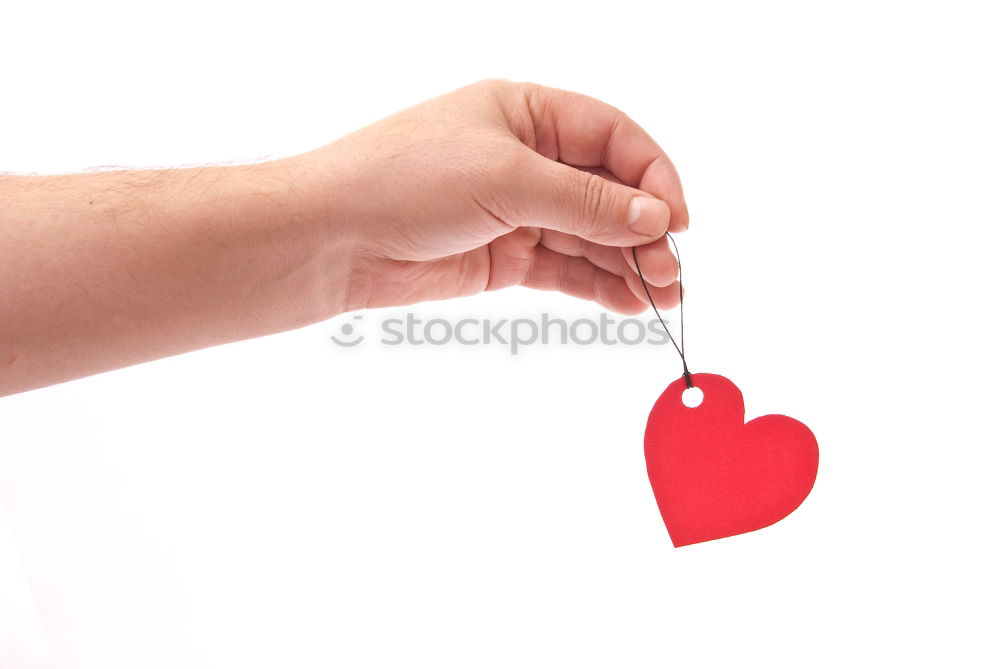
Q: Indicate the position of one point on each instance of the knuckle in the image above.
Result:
(493, 82)
(493, 86)
(596, 199)
(561, 278)
(528, 90)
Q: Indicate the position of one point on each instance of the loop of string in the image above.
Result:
(680, 285)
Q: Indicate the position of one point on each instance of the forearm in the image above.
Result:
(103, 270)
(496, 184)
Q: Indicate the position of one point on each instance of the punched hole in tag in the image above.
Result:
(692, 397)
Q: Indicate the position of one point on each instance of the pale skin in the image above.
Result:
(494, 185)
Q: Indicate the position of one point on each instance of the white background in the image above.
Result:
(285, 502)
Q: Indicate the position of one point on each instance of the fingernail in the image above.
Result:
(648, 216)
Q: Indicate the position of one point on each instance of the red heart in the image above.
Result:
(714, 476)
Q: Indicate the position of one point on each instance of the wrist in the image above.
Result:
(302, 210)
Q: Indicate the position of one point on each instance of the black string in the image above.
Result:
(680, 285)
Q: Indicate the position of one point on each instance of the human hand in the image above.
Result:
(495, 185)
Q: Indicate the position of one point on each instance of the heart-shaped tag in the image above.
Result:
(714, 475)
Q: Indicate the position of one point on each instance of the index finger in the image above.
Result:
(581, 131)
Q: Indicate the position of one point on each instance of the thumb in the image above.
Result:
(560, 197)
